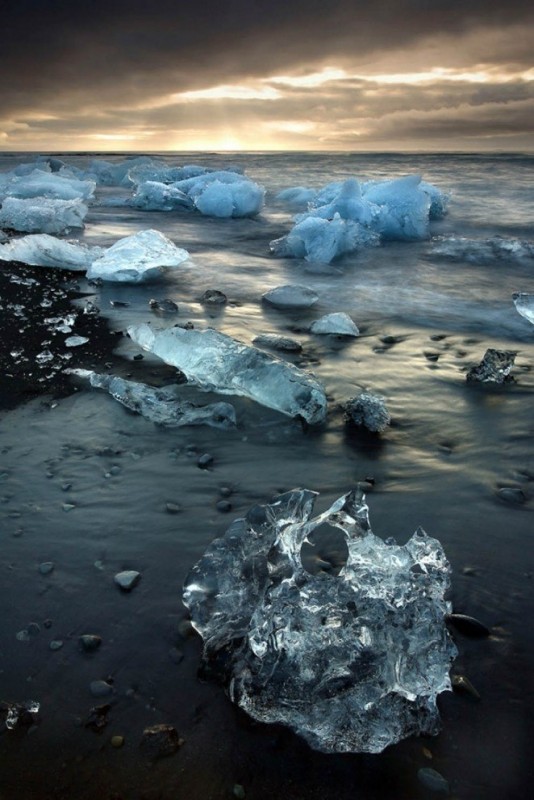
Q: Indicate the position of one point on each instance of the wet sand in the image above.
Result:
(85, 484)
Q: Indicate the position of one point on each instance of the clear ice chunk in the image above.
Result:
(42, 215)
(156, 196)
(495, 367)
(353, 662)
(39, 183)
(162, 406)
(43, 250)
(219, 363)
(137, 258)
(524, 304)
(337, 323)
(291, 295)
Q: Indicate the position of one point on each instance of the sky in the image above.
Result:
(152, 75)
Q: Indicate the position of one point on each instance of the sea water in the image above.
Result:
(87, 486)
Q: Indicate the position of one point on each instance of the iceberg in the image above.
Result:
(317, 239)
(219, 363)
(45, 184)
(42, 215)
(43, 250)
(137, 258)
(156, 196)
(524, 304)
(368, 411)
(351, 662)
(495, 367)
(162, 406)
(348, 203)
(108, 174)
(242, 198)
(291, 295)
(337, 323)
(296, 196)
(404, 208)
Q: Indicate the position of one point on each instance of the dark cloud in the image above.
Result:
(97, 66)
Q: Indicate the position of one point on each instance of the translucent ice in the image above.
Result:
(156, 196)
(219, 363)
(353, 662)
(404, 208)
(241, 198)
(107, 173)
(39, 183)
(137, 258)
(318, 239)
(337, 323)
(524, 304)
(42, 250)
(42, 215)
(162, 406)
(291, 295)
(495, 367)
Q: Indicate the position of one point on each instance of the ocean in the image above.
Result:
(86, 485)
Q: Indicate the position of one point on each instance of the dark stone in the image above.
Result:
(224, 506)
(467, 625)
(213, 297)
(98, 718)
(205, 461)
(159, 741)
(90, 642)
(512, 495)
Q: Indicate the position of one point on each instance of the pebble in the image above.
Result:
(138, 357)
(65, 487)
(127, 580)
(213, 297)
(117, 741)
(100, 688)
(160, 740)
(225, 491)
(239, 791)
(68, 506)
(205, 461)
(46, 567)
(47, 623)
(433, 780)
(56, 644)
(511, 495)
(33, 629)
(224, 506)
(89, 642)
(463, 684)
(173, 508)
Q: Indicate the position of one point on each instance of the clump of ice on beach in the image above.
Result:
(346, 216)
(43, 250)
(156, 196)
(163, 405)
(219, 363)
(338, 324)
(138, 258)
(42, 183)
(524, 304)
(352, 662)
(483, 251)
(42, 215)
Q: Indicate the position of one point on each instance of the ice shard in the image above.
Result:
(524, 304)
(353, 662)
(162, 406)
(495, 367)
(219, 363)
(143, 256)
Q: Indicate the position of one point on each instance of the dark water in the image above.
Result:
(450, 448)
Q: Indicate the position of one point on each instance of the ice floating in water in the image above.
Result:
(291, 295)
(318, 239)
(42, 215)
(155, 196)
(354, 662)
(524, 304)
(495, 367)
(39, 183)
(346, 216)
(337, 323)
(137, 258)
(219, 363)
(241, 199)
(42, 250)
(484, 251)
(162, 406)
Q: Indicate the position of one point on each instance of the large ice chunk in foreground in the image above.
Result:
(219, 363)
(137, 258)
(42, 250)
(318, 239)
(353, 662)
(162, 406)
(524, 304)
(42, 215)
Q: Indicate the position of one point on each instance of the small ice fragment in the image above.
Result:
(369, 411)
(495, 367)
(162, 406)
(337, 323)
(291, 296)
(76, 341)
(137, 258)
(127, 580)
(164, 306)
(222, 364)
(19, 713)
(524, 304)
(353, 662)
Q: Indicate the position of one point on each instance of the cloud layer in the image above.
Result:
(127, 74)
